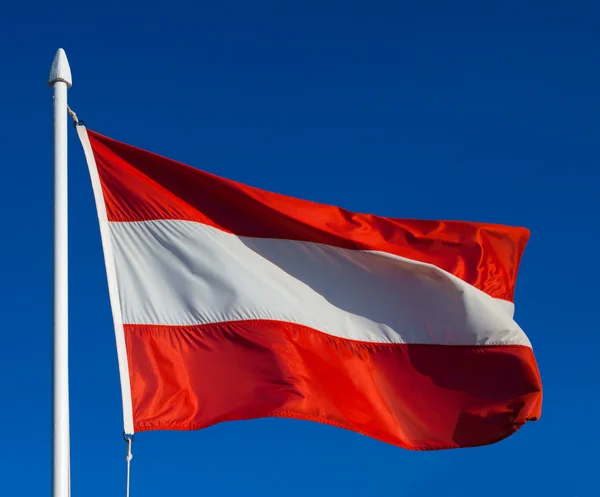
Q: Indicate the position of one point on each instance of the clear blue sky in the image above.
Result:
(456, 110)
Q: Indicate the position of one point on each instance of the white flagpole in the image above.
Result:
(60, 81)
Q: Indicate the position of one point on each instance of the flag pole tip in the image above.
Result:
(60, 70)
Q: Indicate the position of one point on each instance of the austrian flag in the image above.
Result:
(232, 303)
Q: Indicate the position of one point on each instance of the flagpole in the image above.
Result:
(60, 81)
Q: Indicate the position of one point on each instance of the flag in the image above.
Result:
(232, 303)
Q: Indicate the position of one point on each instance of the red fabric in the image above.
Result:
(420, 397)
(139, 185)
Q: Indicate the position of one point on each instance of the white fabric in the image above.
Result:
(112, 281)
(187, 273)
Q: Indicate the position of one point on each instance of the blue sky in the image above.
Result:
(454, 110)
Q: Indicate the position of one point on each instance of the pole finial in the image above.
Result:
(60, 70)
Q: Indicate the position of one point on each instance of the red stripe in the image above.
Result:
(139, 185)
(420, 397)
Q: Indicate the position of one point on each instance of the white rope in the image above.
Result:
(128, 459)
(73, 115)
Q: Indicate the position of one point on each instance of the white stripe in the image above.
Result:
(111, 276)
(187, 273)
(507, 305)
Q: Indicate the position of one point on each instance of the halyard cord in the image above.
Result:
(129, 457)
(73, 115)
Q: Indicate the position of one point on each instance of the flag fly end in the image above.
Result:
(60, 69)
